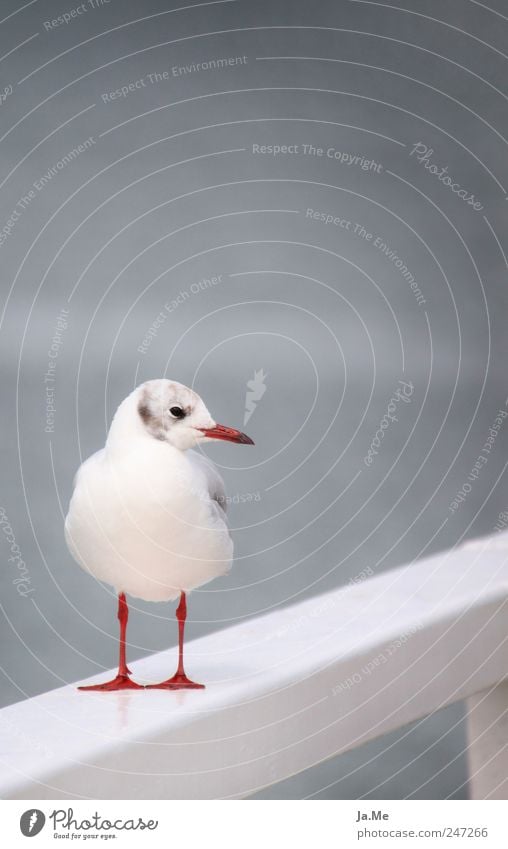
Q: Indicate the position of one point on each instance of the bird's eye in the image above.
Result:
(177, 412)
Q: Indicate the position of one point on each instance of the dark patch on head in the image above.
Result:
(153, 423)
(144, 412)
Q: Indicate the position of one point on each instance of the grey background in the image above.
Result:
(176, 194)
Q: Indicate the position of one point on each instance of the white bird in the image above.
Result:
(147, 514)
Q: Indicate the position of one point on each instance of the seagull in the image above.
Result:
(147, 513)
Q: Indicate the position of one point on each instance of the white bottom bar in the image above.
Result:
(251, 825)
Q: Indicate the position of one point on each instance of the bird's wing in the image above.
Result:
(216, 489)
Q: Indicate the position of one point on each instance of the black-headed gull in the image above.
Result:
(147, 512)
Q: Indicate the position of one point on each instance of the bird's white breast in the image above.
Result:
(146, 522)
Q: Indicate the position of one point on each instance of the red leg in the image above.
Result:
(179, 681)
(122, 680)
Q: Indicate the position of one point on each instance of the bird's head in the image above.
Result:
(173, 413)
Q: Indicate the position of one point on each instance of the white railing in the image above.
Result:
(286, 691)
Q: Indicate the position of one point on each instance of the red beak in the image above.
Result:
(227, 433)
